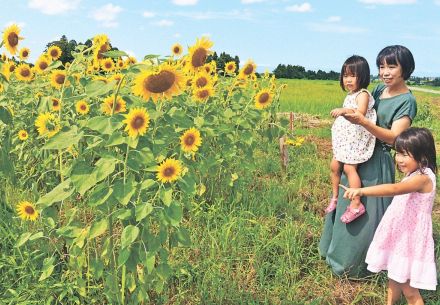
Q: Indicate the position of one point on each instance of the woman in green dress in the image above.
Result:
(345, 246)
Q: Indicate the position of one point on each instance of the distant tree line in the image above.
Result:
(299, 72)
(222, 59)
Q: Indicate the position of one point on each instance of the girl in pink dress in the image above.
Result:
(403, 242)
(352, 144)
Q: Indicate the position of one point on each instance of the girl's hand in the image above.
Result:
(338, 112)
(351, 193)
(355, 118)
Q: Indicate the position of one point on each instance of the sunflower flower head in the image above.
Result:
(108, 103)
(230, 67)
(24, 73)
(82, 107)
(137, 121)
(191, 140)
(248, 69)
(23, 135)
(42, 63)
(176, 49)
(169, 170)
(58, 78)
(11, 37)
(263, 99)
(198, 54)
(203, 94)
(54, 52)
(26, 211)
(24, 53)
(107, 64)
(55, 104)
(47, 124)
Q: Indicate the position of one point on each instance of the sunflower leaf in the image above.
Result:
(23, 239)
(64, 139)
(97, 87)
(59, 193)
(5, 115)
(115, 54)
(123, 192)
(129, 235)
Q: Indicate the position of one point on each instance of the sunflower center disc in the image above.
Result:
(138, 122)
(160, 83)
(59, 79)
(43, 65)
(248, 70)
(13, 39)
(201, 82)
(169, 172)
(263, 98)
(25, 72)
(189, 140)
(29, 210)
(199, 57)
(203, 94)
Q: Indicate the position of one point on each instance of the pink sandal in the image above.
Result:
(331, 206)
(351, 214)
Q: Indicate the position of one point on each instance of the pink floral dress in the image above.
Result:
(352, 143)
(403, 242)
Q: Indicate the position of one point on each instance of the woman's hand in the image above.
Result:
(355, 118)
(351, 193)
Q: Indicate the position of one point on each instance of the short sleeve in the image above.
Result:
(377, 91)
(408, 108)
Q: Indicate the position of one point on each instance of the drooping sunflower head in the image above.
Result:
(24, 53)
(23, 135)
(82, 107)
(190, 140)
(230, 67)
(198, 54)
(26, 211)
(137, 121)
(263, 99)
(162, 84)
(55, 104)
(54, 52)
(107, 64)
(108, 104)
(131, 60)
(176, 49)
(47, 124)
(248, 69)
(169, 170)
(42, 63)
(23, 72)
(57, 78)
(203, 94)
(99, 49)
(11, 37)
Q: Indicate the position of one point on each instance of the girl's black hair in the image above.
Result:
(419, 143)
(358, 66)
(395, 55)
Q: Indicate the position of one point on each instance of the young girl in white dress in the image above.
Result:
(352, 144)
(403, 243)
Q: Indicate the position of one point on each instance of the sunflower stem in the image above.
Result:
(60, 155)
(125, 163)
(123, 284)
(116, 95)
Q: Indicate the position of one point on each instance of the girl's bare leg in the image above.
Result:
(394, 292)
(354, 181)
(412, 295)
(335, 176)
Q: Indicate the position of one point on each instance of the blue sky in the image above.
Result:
(314, 34)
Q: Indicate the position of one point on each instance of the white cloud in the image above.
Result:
(251, 1)
(335, 28)
(234, 14)
(148, 14)
(163, 23)
(107, 15)
(185, 2)
(388, 2)
(437, 2)
(300, 8)
(54, 7)
(334, 19)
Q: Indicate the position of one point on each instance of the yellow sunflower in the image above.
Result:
(4, 57)
(203, 94)
(57, 78)
(190, 140)
(23, 135)
(24, 53)
(198, 54)
(120, 64)
(23, 72)
(169, 170)
(201, 80)
(210, 67)
(26, 211)
(55, 103)
(47, 124)
(101, 47)
(176, 49)
(107, 64)
(42, 63)
(248, 68)
(137, 121)
(8, 68)
(54, 52)
(263, 99)
(11, 38)
(162, 84)
(82, 107)
(107, 105)
(230, 67)
(130, 61)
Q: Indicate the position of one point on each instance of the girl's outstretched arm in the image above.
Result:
(417, 183)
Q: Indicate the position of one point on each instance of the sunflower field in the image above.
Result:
(107, 154)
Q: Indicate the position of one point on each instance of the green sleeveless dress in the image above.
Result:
(344, 246)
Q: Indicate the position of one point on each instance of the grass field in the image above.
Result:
(255, 245)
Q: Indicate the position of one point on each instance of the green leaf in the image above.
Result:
(100, 195)
(198, 121)
(36, 236)
(5, 115)
(104, 167)
(6, 165)
(143, 210)
(129, 235)
(98, 228)
(228, 113)
(164, 271)
(150, 261)
(23, 239)
(166, 196)
(174, 213)
(105, 125)
(116, 138)
(59, 193)
(147, 184)
(81, 176)
(123, 192)
(124, 254)
(47, 268)
(64, 139)
(183, 237)
(115, 54)
(97, 88)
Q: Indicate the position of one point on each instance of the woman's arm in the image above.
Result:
(417, 183)
(386, 135)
